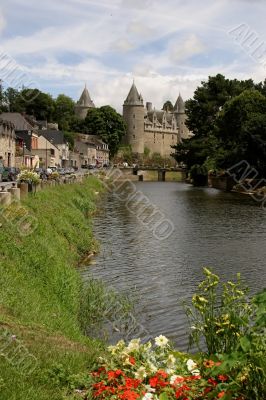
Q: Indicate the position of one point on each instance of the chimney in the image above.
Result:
(149, 106)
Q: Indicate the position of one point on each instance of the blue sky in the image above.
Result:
(168, 46)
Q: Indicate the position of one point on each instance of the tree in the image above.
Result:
(208, 99)
(13, 100)
(70, 138)
(168, 106)
(37, 103)
(206, 147)
(63, 111)
(115, 128)
(106, 123)
(241, 131)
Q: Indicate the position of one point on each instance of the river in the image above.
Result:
(224, 231)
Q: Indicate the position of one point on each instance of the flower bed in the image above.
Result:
(230, 367)
(155, 371)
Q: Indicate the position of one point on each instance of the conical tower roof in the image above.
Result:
(179, 105)
(85, 99)
(134, 98)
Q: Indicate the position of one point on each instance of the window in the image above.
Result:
(133, 115)
(134, 136)
(52, 152)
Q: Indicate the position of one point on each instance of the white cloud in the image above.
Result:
(120, 39)
(186, 48)
(2, 21)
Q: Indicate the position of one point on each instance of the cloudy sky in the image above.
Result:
(167, 46)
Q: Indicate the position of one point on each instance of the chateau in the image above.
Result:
(155, 130)
(147, 128)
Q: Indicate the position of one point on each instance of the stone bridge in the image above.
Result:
(155, 174)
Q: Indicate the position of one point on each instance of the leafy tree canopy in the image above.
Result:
(228, 120)
(106, 123)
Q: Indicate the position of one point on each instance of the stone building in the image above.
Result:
(155, 130)
(84, 104)
(92, 149)
(7, 144)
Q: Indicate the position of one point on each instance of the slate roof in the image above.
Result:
(57, 137)
(179, 104)
(18, 120)
(134, 98)
(85, 99)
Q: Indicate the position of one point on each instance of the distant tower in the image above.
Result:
(84, 104)
(133, 114)
(179, 112)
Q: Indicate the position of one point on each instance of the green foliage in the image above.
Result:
(70, 138)
(221, 320)
(228, 120)
(40, 290)
(106, 123)
(146, 152)
(41, 104)
(241, 130)
(63, 111)
(98, 305)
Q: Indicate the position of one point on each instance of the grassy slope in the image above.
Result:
(39, 289)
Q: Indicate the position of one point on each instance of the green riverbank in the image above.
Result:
(42, 241)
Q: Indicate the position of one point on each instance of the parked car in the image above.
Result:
(9, 174)
(61, 171)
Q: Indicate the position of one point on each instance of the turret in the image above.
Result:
(133, 114)
(181, 117)
(84, 104)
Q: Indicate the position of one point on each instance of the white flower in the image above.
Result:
(152, 367)
(133, 345)
(147, 396)
(161, 341)
(171, 360)
(141, 373)
(169, 371)
(150, 389)
(195, 372)
(191, 365)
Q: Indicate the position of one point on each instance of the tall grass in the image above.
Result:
(40, 289)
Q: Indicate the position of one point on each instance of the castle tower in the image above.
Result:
(179, 112)
(133, 114)
(84, 104)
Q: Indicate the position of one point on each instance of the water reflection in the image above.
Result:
(222, 230)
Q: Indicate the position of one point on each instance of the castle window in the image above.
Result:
(133, 115)
(133, 126)
(134, 136)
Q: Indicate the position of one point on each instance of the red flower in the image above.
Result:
(129, 395)
(153, 381)
(223, 378)
(162, 374)
(221, 394)
(132, 383)
(212, 381)
(111, 375)
(209, 363)
(132, 360)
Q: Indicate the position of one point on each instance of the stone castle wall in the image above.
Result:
(160, 142)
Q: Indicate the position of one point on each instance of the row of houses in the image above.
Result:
(38, 144)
